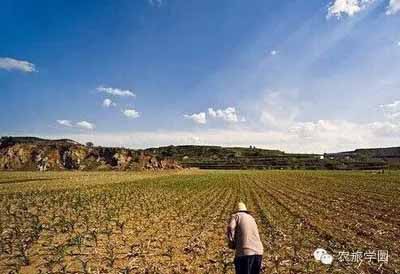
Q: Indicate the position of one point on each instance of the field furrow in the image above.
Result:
(174, 222)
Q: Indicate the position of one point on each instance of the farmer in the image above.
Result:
(242, 233)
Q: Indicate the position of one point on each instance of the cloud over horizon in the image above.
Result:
(318, 136)
(392, 110)
(312, 137)
(198, 118)
(229, 114)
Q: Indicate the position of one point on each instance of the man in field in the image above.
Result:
(243, 236)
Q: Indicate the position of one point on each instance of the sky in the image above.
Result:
(309, 76)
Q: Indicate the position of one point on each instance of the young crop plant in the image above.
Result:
(156, 222)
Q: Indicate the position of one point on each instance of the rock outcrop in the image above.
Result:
(28, 153)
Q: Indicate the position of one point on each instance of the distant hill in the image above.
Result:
(34, 140)
(31, 153)
(368, 158)
(372, 152)
(216, 157)
(203, 153)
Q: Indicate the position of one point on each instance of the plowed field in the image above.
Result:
(174, 222)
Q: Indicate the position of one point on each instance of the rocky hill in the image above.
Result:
(30, 153)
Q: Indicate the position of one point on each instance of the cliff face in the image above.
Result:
(38, 154)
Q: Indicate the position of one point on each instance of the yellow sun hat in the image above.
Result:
(241, 206)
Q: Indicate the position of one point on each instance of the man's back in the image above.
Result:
(243, 234)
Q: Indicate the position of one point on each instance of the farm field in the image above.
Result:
(174, 221)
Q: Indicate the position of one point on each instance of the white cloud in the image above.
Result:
(116, 91)
(85, 125)
(66, 123)
(81, 124)
(342, 134)
(348, 7)
(13, 64)
(274, 52)
(321, 136)
(336, 135)
(296, 136)
(398, 43)
(108, 103)
(385, 129)
(131, 113)
(393, 8)
(198, 118)
(229, 114)
(324, 129)
(392, 111)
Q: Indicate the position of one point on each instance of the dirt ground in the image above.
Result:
(174, 221)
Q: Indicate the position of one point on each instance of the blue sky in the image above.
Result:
(301, 76)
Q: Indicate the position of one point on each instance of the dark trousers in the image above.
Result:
(248, 264)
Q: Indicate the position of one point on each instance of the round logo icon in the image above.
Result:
(326, 259)
(321, 255)
(318, 253)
